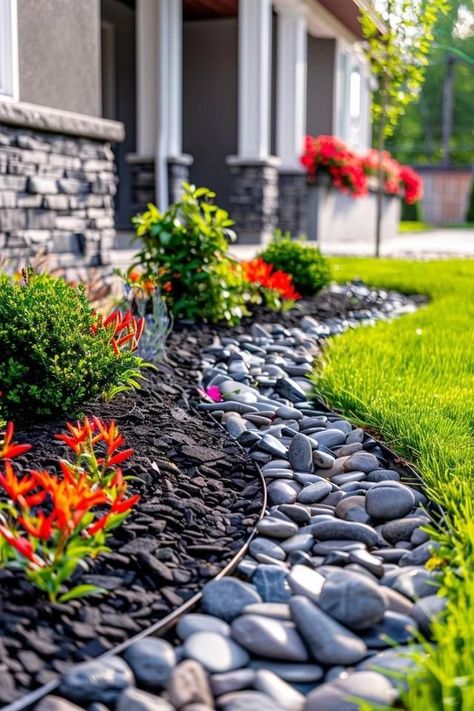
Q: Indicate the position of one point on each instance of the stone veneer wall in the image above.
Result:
(293, 203)
(56, 191)
(254, 199)
(143, 179)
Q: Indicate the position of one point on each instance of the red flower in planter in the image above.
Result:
(329, 155)
(412, 184)
(10, 449)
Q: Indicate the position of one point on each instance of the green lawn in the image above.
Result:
(413, 381)
(409, 226)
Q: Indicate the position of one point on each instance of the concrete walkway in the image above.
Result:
(415, 245)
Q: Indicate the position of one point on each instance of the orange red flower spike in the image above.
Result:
(10, 449)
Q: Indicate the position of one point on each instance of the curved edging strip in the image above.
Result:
(160, 627)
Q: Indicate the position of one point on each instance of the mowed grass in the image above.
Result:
(412, 380)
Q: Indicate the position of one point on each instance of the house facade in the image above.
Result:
(106, 105)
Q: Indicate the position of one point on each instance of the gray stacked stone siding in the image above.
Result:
(254, 199)
(178, 173)
(293, 203)
(57, 197)
(57, 187)
(142, 170)
(143, 179)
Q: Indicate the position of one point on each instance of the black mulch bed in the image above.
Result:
(201, 497)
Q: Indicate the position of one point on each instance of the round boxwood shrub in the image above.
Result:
(309, 269)
(55, 354)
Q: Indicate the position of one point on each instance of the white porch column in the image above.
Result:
(291, 82)
(146, 73)
(169, 87)
(255, 42)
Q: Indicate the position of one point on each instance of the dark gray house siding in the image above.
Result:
(59, 54)
(210, 51)
(321, 74)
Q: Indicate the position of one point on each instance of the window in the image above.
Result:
(355, 94)
(8, 50)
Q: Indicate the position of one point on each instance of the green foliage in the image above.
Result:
(185, 251)
(411, 212)
(398, 41)
(51, 362)
(309, 269)
(417, 138)
(470, 208)
(413, 383)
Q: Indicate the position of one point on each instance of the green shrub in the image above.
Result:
(55, 354)
(470, 206)
(309, 269)
(411, 212)
(185, 251)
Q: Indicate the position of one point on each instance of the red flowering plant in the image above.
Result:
(95, 445)
(390, 169)
(123, 331)
(330, 156)
(144, 294)
(272, 285)
(350, 172)
(398, 179)
(50, 525)
(412, 185)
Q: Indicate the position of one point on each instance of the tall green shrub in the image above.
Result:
(470, 207)
(411, 212)
(185, 250)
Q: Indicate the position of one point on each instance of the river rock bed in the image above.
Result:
(324, 605)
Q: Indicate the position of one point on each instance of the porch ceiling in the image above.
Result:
(206, 9)
(348, 13)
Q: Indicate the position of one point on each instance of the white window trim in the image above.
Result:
(9, 83)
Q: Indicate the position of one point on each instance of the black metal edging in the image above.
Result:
(160, 627)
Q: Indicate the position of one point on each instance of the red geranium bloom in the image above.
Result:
(330, 155)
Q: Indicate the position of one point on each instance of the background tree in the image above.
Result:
(397, 52)
(417, 138)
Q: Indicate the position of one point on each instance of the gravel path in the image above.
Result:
(326, 602)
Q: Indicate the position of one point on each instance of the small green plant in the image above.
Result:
(309, 269)
(56, 353)
(411, 212)
(184, 250)
(470, 206)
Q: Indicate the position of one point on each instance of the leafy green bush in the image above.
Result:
(309, 269)
(185, 251)
(411, 212)
(470, 206)
(55, 352)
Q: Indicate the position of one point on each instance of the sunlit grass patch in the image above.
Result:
(412, 380)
